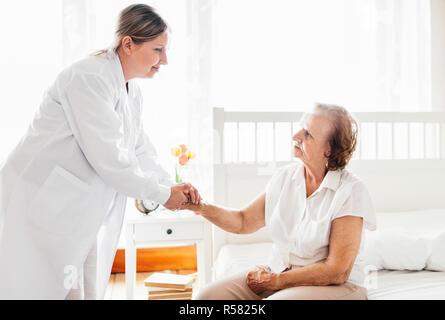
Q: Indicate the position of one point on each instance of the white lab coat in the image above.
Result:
(63, 188)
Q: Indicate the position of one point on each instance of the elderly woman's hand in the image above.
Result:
(262, 279)
(193, 207)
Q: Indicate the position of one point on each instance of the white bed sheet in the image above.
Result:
(390, 285)
(408, 285)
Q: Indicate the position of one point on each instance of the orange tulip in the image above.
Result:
(183, 159)
(175, 151)
(183, 148)
(183, 154)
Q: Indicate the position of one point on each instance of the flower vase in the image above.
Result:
(182, 173)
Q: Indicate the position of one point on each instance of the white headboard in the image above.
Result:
(400, 157)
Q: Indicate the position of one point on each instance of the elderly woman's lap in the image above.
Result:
(235, 288)
(346, 291)
(231, 288)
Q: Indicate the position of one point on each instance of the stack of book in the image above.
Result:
(166, 286)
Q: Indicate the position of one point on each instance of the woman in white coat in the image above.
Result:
(63, 189)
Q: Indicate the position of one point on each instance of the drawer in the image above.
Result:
(168, 231)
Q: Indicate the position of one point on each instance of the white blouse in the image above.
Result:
(299, 227)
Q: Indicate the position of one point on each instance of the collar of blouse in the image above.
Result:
(330, 181)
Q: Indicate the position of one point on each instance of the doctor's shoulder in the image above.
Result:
(100, 66)
(91, 69)
(94, 64)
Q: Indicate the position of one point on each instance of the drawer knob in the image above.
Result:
(169, 231)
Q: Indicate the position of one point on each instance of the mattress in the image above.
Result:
(408, 285)
(389, 285)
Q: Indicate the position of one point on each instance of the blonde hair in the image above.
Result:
(343, 139)
(140, 22)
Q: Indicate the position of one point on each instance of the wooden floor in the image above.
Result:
(116, 285)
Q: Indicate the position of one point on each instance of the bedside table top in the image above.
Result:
(133, 215)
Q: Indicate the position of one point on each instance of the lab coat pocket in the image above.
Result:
(61, 205)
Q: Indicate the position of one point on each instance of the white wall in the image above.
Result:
(438, 54)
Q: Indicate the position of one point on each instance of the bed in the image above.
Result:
(405, 151)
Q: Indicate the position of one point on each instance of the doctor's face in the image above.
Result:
(148, 56)
(311, 142)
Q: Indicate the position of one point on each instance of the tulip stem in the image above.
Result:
(178, 178)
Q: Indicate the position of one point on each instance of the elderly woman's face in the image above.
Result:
(311, 142)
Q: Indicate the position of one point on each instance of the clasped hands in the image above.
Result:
(262, 279)
(181, 195)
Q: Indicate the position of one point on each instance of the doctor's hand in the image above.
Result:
(180, 195)
(262, 279)
(193, 197)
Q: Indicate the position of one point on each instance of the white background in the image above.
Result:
(368, 55)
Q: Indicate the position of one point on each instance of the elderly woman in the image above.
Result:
(315, 211)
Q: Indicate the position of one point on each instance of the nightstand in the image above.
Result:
(163, 228)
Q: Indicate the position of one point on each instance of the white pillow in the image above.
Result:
(436, 260)
(407, 241)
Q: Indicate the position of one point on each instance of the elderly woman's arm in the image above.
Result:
(247, 220)
(344, 245)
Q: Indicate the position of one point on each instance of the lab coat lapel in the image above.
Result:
(124, 107)
(98, 266)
